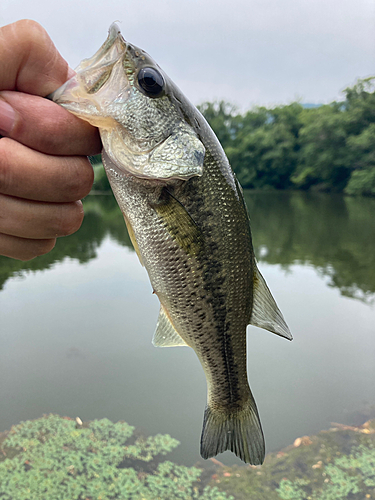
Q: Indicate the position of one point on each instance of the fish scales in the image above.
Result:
(202, 290)
(188, 222)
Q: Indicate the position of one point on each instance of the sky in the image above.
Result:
(247, 52)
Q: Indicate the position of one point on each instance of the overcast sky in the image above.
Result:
(249, 52)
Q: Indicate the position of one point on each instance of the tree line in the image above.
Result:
(326, 148)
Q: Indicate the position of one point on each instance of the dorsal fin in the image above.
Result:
(265, 313)
(165, 334)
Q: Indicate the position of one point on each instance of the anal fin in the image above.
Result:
(165, 334)
(265, 313)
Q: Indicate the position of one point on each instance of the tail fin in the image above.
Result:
(239, 431)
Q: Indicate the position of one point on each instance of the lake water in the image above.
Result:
(76, 327)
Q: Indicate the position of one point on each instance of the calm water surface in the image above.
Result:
(76, 327)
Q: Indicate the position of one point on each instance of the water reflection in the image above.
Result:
(102, 218)
(76, 339)
(336, 235)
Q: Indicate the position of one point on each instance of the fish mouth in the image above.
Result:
(89, 91)
(104, 53)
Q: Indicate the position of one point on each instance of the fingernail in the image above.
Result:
(7, 117)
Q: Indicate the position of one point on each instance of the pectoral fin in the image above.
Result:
(179, 224)
(265, 313)
(166, 334)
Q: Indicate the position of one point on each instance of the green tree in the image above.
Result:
(323, 158)
(261, 145)
(266, 155)
(327, 148)
(360, 106)
(222, 119)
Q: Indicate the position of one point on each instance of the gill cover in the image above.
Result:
(179, 156)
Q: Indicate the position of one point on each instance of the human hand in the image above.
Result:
(44, 171)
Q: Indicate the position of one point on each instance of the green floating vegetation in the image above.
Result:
(350, 476)
(55, 458)
(334, 465)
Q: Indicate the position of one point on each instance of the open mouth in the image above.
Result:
(98, 81)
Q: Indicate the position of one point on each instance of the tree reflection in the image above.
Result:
(336, 235)
(102, 218)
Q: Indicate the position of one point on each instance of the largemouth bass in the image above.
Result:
(187, 219)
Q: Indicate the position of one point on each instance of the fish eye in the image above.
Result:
(151, 82)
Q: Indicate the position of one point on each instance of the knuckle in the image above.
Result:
(31, 29)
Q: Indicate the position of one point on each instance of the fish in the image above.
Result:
(186, 216)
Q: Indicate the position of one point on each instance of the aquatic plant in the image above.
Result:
(347, 477)
(55, 458)
(336, 464)
(292, 490)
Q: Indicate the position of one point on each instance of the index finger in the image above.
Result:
(29, 61)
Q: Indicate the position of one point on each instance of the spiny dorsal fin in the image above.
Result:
(265, 313)
(165, 334)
